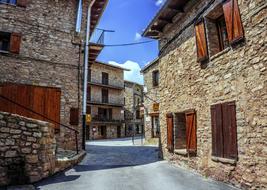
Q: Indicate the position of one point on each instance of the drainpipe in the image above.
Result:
(86, 64)
(79, 16)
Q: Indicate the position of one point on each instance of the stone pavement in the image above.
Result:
(118, 165)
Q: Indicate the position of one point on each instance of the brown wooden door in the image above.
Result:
(170, 142)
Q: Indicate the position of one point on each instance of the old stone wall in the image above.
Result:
(47, 55)
(236, 74)
(27, 149)
(151, 97)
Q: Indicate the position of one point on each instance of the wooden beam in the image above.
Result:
(177, 9)
(169, 21)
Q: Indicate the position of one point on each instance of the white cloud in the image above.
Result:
(134, 74)
(160, 2)
(137, 36)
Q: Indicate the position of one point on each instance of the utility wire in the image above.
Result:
(129, 44)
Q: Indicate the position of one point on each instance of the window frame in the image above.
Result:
(105, 78)
(155, 78)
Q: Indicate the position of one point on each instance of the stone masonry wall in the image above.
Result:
(149, 98)
(27, 149)
(47, 55)
(237, 74)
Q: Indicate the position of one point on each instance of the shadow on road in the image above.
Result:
(101, 157)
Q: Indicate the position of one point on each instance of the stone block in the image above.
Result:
(4, 129)
(32, 159)
(10, 142)
(15, 131)
(11, 153)
(37, 134)
(31, 139)
(31, 125)
(26, 150)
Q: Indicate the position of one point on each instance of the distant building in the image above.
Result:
(105, 101)
(151, 99)
(133, 94)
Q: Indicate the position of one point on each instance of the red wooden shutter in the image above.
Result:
(74, 116)
(191, 132)
(22, 3)
(217, 130)
(229, 130)
(201, 41)
(15, 41)
(233, 21)
(170, 142)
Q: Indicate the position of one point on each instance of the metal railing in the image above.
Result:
(53, 121)
(98, 36)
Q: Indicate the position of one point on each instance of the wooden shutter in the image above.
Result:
(170, 141)
(217, 130)
(233, 21)
(22, 3)
(229, 130)
(201, 41)
(191, 132)
(15, 42)
(74, 116)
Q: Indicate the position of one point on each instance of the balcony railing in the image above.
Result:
(98, 37)
(99, 118)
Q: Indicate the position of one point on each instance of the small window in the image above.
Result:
(5, 41)
(10, 42)
(105, 78)
(12, 2)
(155, 78)
(224, 130)
(104, 95)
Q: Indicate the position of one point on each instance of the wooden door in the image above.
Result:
(170, 141)
(191, 132)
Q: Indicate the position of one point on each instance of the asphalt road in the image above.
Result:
(118, 165)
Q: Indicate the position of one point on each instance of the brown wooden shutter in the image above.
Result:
(22, 3)
(233, 21)
(229, 130)
(201, 41)
(191, 132)
(74, 116)
(15, 41)
(217, 130)
(170, 141)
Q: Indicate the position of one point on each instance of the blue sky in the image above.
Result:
(128, 18)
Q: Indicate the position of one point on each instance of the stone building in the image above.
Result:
(151, 100)
(213, 87)
(105, 101)
(40, 48)
(133, 98)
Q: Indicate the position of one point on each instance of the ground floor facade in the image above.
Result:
(105, 131)
(152, 126)
(134, 127)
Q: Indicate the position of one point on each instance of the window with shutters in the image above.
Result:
(155, 78)
(105, 78)
(185, 138)
(74, 116)
(221, 28)
(104, 95)
(10, 42)
(224, 130)
(20, 3)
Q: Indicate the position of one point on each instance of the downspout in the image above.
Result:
(79, 16)
(86, 60)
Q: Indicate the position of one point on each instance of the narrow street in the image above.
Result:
(118, 165)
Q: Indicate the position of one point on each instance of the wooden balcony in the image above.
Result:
(109, 104)
(105, 85)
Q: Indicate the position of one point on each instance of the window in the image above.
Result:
(224, 130)
(185, 137)
(13, 2)
(221, 28)
(10, 42)
(155, 78)
(74, 116)
(105, 114)
(104, 95)
(21, 3)
(105, 78)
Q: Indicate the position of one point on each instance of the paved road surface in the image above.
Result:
(118, 165)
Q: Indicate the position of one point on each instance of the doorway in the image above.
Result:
(118, 131)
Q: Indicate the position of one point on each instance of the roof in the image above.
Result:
(96, 13)
(165, 16)
(109, 65)
(131, 82)
(149, 65)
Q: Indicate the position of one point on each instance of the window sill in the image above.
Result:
(4, 52)
(181, 152)
(220, 53)
(223, 160)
